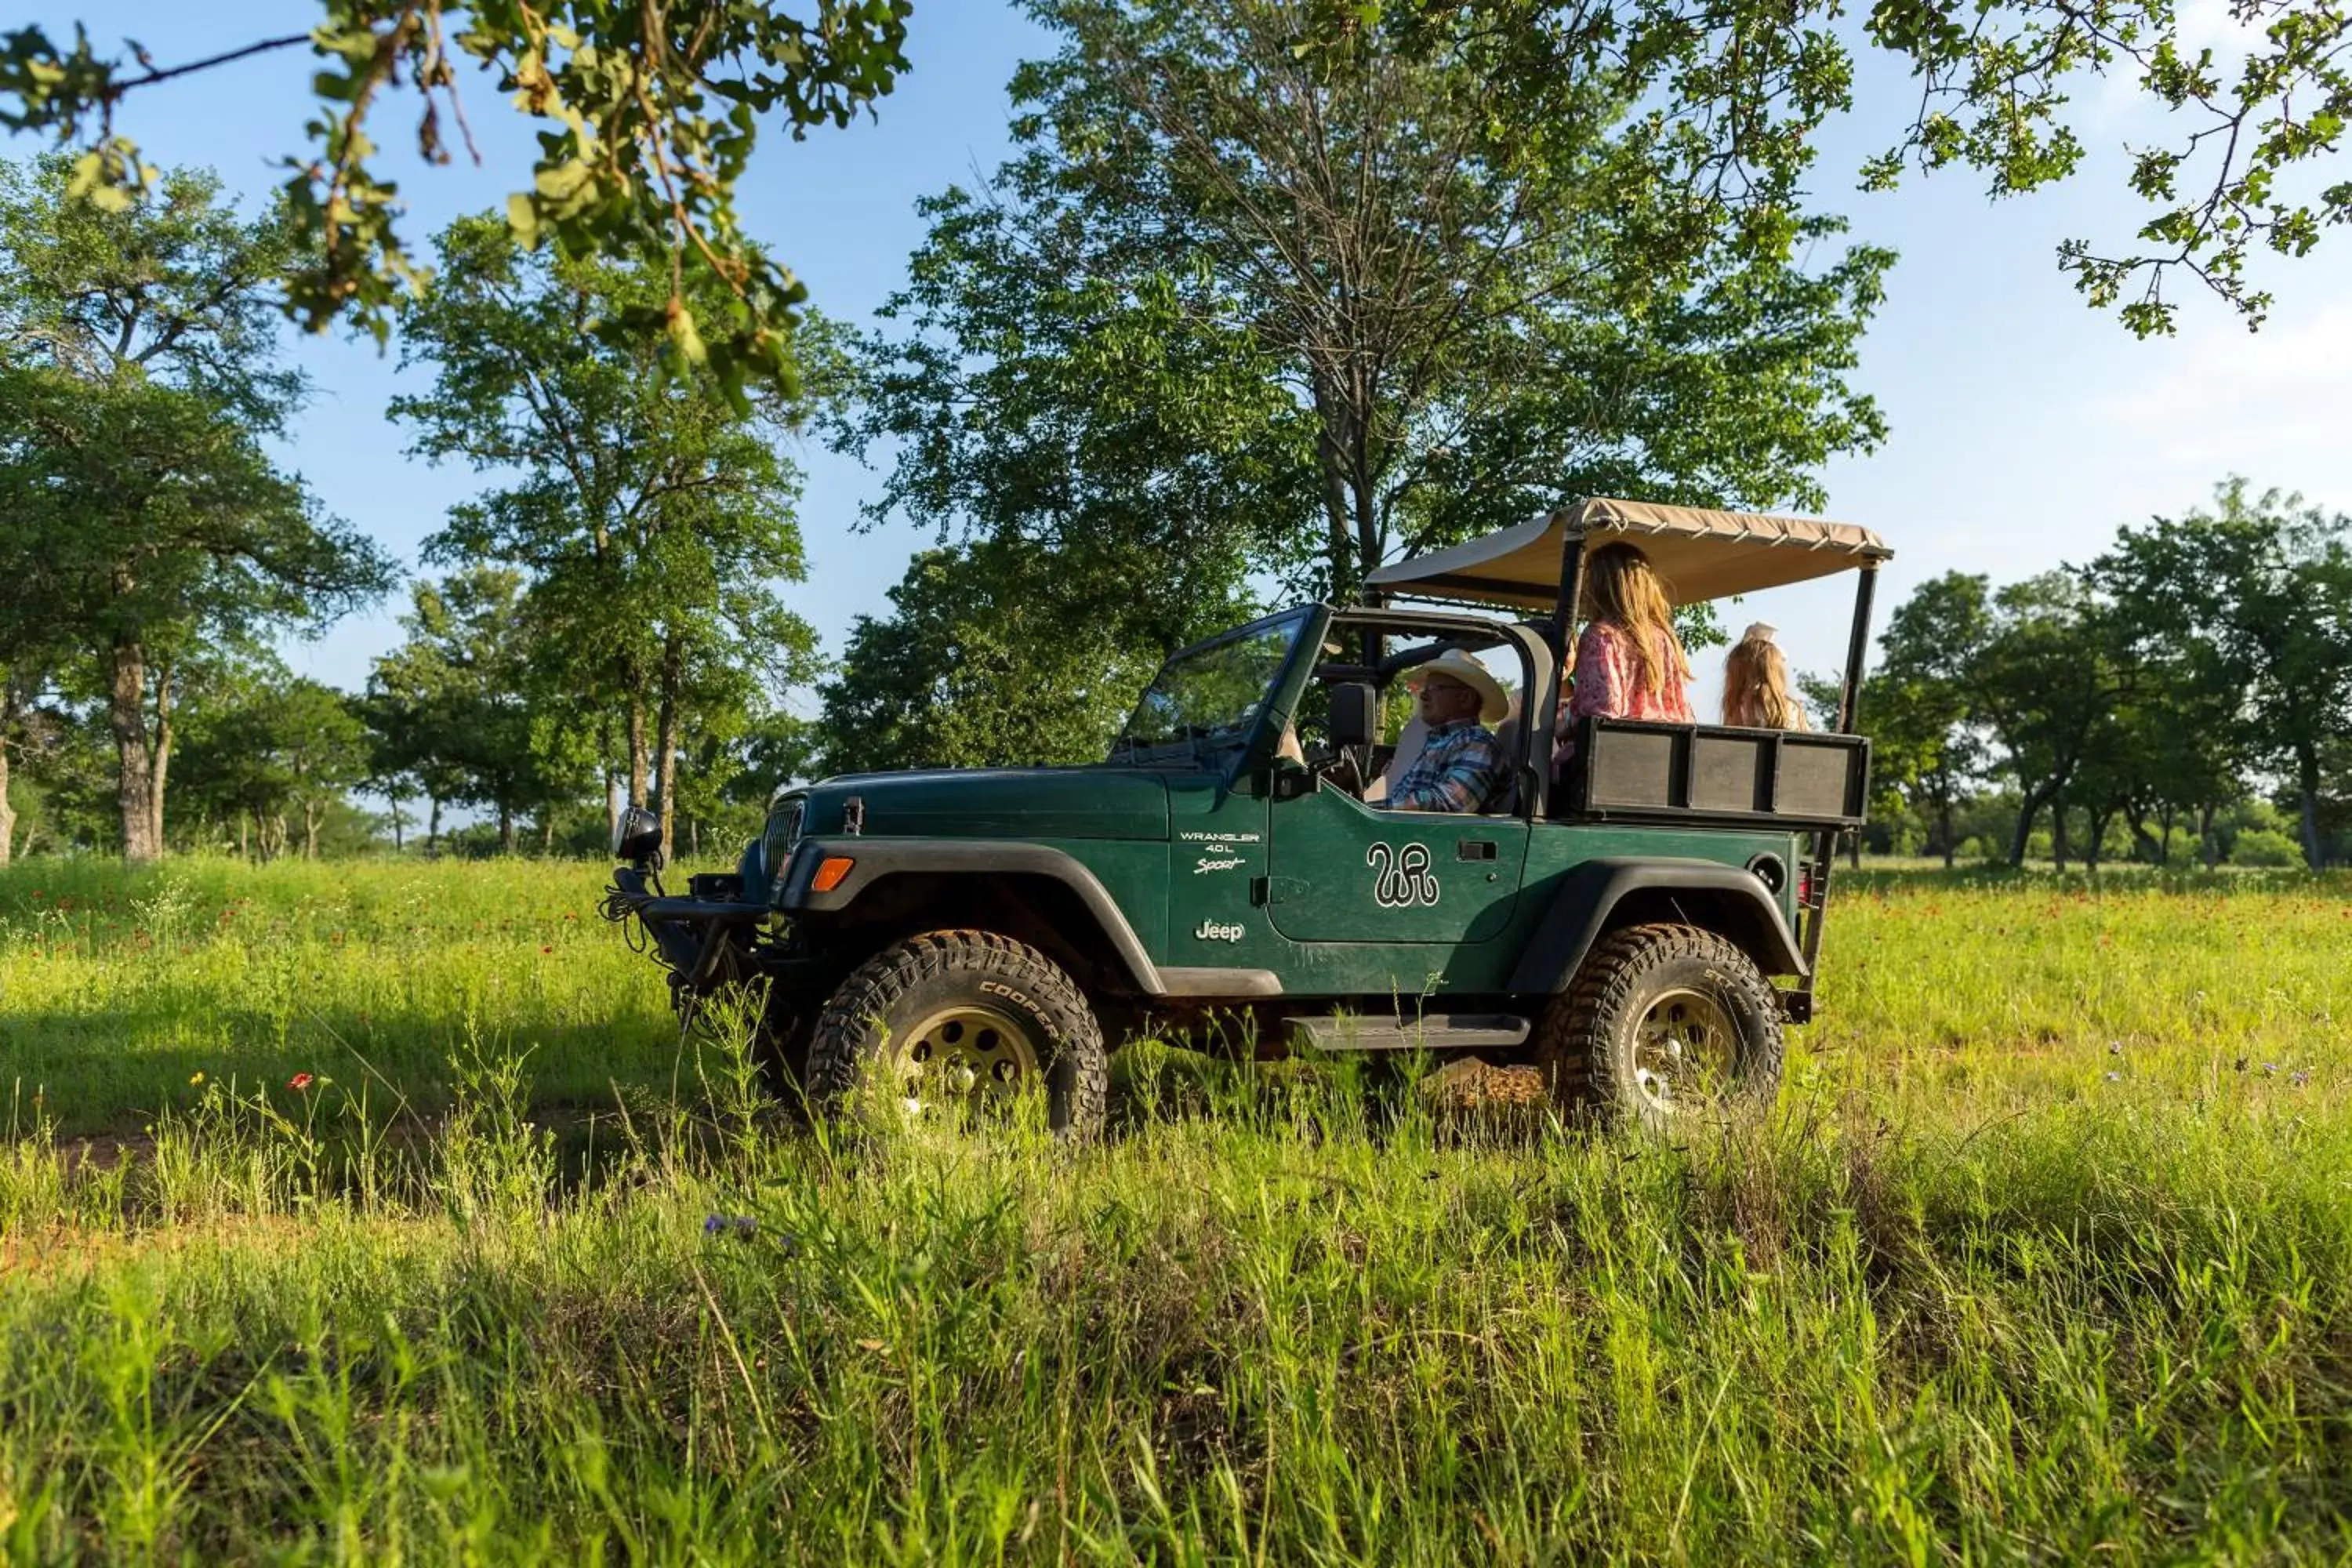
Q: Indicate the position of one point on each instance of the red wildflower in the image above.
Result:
(547, 950)
(300, 1080)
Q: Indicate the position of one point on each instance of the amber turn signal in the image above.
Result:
(830, 871)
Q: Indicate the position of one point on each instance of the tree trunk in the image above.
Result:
(133, 784)
(1944, 825)
(1341, 543)
(2306, 782)
(245, 836)
(2205, 846)
(637, 769)
(7, 812)
(2099, 820)
(311, 815)
(1368, 524)
(398, 818)
(2164, 845)
(2027, 810)
(547, 833)
(612, 804)
(672, 673)
(432, 828)
(159, 763)
(2058, 846)
(506, 829)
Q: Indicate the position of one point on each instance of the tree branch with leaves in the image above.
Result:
(650, 113)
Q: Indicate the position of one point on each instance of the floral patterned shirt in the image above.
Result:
(1605, 686)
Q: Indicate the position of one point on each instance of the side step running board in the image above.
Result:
(1429, 1032)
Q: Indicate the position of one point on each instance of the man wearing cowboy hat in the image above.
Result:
(1462, 765)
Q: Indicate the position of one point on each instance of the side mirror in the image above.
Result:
(636, 837)
(1355, 711)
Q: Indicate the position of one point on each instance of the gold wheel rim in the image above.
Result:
(1684, 1051)
(963, 1054)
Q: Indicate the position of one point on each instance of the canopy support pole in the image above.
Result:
(1571, 593)
(1817, 890)
(1857, 648)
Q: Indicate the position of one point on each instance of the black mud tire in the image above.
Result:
(1588, 1040)
(898, 986)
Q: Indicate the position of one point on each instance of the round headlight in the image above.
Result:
(636, 835)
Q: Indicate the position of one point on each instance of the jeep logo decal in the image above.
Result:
(1212, 931)
(1402, 877)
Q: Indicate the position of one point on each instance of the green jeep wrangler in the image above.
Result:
(943, 935)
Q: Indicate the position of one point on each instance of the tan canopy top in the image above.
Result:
(1701, 554)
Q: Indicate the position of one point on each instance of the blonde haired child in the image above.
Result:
(1755, 684)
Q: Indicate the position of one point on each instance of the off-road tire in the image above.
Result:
(1585, 1041)
(908, 980)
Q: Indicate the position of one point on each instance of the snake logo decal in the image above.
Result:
(1401, 879)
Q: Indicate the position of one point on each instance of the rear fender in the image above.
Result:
(1601, 895)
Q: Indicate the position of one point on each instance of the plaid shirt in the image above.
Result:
(1458, 770)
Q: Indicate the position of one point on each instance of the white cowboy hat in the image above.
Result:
(1456, 664)
(1758, 631)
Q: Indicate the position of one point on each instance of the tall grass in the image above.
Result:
(2024, 1267)
(119, 986)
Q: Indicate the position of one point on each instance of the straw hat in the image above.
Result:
(1456, 664)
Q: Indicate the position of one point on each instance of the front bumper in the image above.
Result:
(694, 937)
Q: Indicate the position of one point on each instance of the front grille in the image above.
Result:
(783, 832)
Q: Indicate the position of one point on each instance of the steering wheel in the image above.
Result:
(1341, 770)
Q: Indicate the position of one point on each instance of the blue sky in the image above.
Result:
(2024, 426)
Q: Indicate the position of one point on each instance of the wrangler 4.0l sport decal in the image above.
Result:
(1401, 879)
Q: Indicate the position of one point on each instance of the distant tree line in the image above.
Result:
(2190, 684)
(1263, 296)
(608, 627)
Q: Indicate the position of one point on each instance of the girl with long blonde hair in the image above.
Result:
(1629, 662)
(1755, 693)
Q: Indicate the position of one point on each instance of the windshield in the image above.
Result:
(1206, 698)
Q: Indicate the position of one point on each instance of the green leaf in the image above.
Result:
(523, 218)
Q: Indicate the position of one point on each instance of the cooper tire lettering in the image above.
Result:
(996, 988)
(1401, 879)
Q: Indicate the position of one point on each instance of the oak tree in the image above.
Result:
(138, 375)
(651, 517)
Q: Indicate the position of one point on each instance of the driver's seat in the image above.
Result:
(1409, 742)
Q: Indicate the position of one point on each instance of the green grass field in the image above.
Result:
(2046, 1255)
